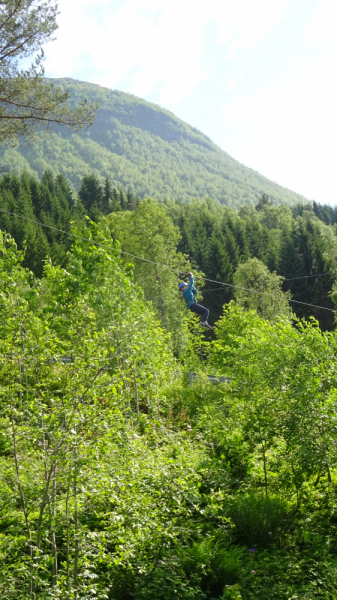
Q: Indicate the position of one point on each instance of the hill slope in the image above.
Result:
(141, 146)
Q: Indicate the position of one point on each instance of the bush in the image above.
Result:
(256, 519)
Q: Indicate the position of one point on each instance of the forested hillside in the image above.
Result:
(144, 148)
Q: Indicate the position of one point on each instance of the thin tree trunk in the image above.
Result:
(329, 476)
(44, 504)
(317, 480)
(20, 392)
(54, 546)
(17, 470)
(67, 551)
(76, 525)
(76, 538)
(155, 376)
(136, 393)
(265, 471)
(146, 391)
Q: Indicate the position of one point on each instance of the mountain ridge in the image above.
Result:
(143, 147)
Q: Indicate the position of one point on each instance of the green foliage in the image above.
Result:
(219, 239)
(144, 148)
(121, 480)
(266, 295)
(66, 422)
(149, 233)
(123, 477)
(263, 202)
(290, 421)
(257, 520)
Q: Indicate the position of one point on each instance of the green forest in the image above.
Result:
(140, 146)
(126, 471)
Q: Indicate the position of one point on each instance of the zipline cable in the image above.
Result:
(238, 287)
(160, 265)
(307, 276)
(79, 237)
(290, 279)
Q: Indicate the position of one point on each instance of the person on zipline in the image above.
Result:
(190, 292)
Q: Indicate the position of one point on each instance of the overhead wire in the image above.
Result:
(266, 294)
(307, 276)
(283, 279)
(160, 265)
(79, 237)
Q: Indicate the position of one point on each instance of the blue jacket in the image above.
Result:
(189, 293)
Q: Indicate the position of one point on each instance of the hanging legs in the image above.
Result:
(202, 312)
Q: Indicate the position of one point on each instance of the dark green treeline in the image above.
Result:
(296, 246)
(52, 202)
(297, 243)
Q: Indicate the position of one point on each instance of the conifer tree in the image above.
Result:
(115, 204)
(107, 196)
(122, 199)
(91, 195)
(263, 201)
(129, 200)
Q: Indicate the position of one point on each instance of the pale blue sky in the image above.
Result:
(259, 77)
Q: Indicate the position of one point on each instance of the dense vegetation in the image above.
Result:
(142, 147)
(218, 239)
(125, 473)
(293, 243)
(120, 480)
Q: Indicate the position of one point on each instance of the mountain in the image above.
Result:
(145, 148)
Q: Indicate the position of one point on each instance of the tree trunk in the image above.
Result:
(317, 480)
(265, 471)
(76, 541)
(17, 471)
(67, 551)
(53, 540)
(76, 528)
(136, 393)
(329, 476)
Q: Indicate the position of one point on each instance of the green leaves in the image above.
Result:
(285, 381)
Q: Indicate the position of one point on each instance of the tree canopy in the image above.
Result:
(265, 294)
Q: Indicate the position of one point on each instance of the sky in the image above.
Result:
(259, 77)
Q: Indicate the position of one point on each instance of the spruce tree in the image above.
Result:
(122, 199)
(115, 203)
(91, 195)
(107, 196)
(129, 200)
